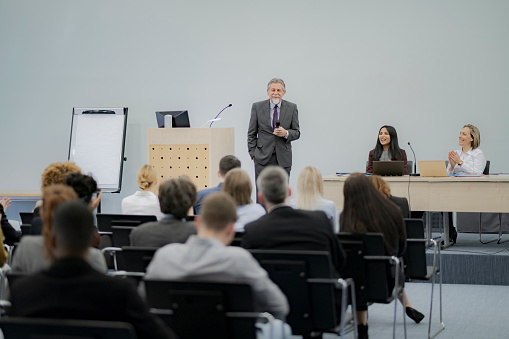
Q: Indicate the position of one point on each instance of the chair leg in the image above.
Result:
(500, 228)
(480, 232)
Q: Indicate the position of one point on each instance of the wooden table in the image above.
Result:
(21, 195)
(488, 193)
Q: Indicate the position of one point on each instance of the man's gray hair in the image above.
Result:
(276, 81)
(273, 184)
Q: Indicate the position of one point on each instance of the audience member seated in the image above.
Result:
(72, 289)
(144, 202)
(227, 163)
(366, 210)
(382, 187)
(286, 228)
(3, 252)
(208, 257)
(310, 194)
(176, 197)
(55, 173)
(238, 184)
(11, 235)
(30, 255)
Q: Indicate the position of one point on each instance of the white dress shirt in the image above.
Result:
(142, 203)
(474, 162)
(248, 213)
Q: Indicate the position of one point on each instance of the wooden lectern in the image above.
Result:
(194, 152)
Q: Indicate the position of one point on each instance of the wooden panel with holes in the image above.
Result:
(172, 161)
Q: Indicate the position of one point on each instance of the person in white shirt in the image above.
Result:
(144, 202)
(310, 194)
(469, 159)
(238, 184)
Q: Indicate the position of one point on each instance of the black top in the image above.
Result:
(72, 289)
(285, 228)
(11, 235)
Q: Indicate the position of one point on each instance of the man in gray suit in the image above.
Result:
(269, 144)
(176, 196)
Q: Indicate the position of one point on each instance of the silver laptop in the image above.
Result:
(432, 168)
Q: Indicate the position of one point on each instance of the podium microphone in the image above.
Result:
(415, 160)
(230, 105)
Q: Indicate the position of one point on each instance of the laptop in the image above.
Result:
(386, 168)
(432, 168)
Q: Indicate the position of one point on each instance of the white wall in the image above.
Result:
(425, 67)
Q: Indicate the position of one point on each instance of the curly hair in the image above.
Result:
(83, 185)
(56, 173)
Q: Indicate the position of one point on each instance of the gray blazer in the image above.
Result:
(162, 232)
(261, 141)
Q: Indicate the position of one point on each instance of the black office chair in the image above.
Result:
(416, 267)
(307, 280)
(375, 274)
(120, 235)
(16, 328)
(104, 221)
(205, 309)
(26, 217)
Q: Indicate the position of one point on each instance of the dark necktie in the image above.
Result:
(275, 118)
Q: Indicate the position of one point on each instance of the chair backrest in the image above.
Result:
(487, 168)
(415, 259)
(203, 309)
(120, 235)
(135, 259)
(373, 278)
(237, 240)
(26, 217)
(15, 328)
(26, 229)
(312, 306)
(104, 221)
(13, 276)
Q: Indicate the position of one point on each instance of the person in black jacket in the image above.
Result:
(11, 235)
(72, 289)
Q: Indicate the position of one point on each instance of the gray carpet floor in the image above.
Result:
(469, 311)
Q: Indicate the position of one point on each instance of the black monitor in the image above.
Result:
(178, 118)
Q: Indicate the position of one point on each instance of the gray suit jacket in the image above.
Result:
(162, 232)
(261, 141)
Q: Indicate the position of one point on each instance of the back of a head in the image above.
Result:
(218, 211)
(73, 227)
(238, 184)
(381, 185)
(52, 196)
(147, 175)
(83, 185)
(366, 210)
(227, 163)
(273, 184)
(56, 173)
(309, 188)
(176, 196)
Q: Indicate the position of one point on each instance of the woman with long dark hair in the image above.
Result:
(386, 148)
(366, 210)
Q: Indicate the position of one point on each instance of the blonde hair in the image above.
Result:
(56, 173)
(381, 185)
(309, 188)
(238, 184)
(475, 134)
(147, 175)
(52, 196)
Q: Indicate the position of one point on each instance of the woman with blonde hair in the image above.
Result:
(238, 184)
(30, 255)
(144, 202)
(310, 194)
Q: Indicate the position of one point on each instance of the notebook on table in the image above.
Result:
(386, 168)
